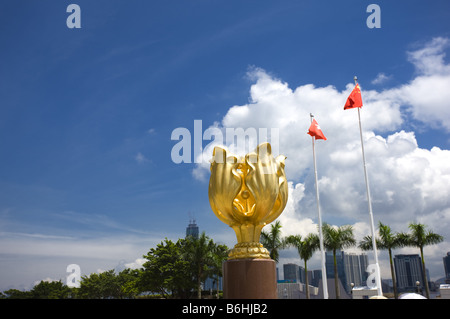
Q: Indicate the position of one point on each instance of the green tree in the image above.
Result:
(129, 282)
(305, 248)
(199, 252)
(100, 286)
(50, 290)
(388, 240)
(176, 269)
(219, 256)
(337, 238)
(16, 294)
(108, 284)
(90, 287)
(421, 237)
(167, 272)
(273, 241)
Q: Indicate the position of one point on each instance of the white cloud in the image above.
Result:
(428, 97)
(140, 158)
(137, 264)
(428, 94)
(290, 219)
(407, 183)
(32, 257)
(429, 59)
(381, 78)
(48, 279)
(112, 248)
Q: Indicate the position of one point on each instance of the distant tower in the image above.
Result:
(291, 272)
(447, 268)
(192, 229)
(408, 270)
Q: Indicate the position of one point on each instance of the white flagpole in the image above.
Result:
(374, 245)
(322, 251)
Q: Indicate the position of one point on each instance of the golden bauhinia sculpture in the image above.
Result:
(247, 193)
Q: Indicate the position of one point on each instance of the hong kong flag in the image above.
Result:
(354, 99)
(315, 131)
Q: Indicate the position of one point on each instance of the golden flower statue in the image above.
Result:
(247, 193)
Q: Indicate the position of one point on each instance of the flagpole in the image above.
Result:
(324, 270)
(372, 226)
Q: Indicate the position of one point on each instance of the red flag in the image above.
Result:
(315, 131)
(354, 99)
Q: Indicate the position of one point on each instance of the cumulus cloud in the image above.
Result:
(381, 78)
(407, 183)
(427, 95)
(137, 264)
(429, 59)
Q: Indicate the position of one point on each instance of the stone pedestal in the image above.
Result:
(249, 279)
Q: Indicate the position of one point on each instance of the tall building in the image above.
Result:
(315, 277)
(291, 272)
(329, 265)
(295, 273)
(408, 270)
(355, 267)
(301, 274)
(192, 229)
(351, 268)
(447, 268)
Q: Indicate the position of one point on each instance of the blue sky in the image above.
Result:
(86, 117)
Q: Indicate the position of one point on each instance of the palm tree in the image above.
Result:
(337, 238)
(199, 252)
(420, 237)
(388, 240)
(305, 248)
(220, 254)
(273, 240)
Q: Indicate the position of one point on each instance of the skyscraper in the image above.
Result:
(315, 278)
(192, 229)
(355, 267)
(291, 272)
(408, 270)
(329, 264)
(351, 268)
(447, 268)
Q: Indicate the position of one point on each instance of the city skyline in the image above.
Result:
(407, 268)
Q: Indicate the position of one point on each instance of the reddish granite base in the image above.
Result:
(249, 279)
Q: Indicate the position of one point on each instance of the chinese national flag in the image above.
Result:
(315, 131)
(354, 99)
